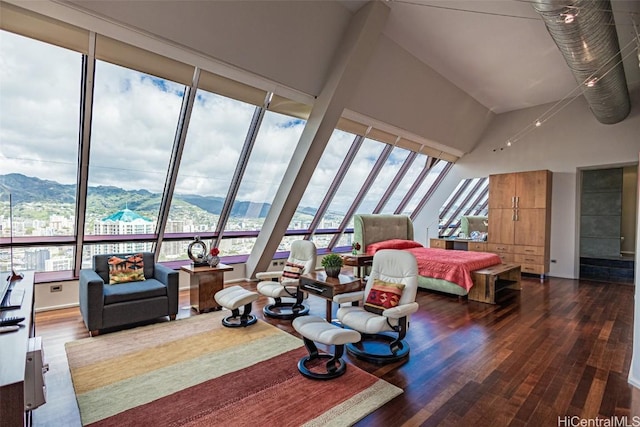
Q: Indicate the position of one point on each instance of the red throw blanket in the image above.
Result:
(454, 266)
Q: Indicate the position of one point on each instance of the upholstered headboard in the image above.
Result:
(473, 223)
(372, 228)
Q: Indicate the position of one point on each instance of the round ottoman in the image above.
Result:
(315, 329)
(232, 298)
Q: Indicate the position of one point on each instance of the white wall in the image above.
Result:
(634, 371)
(570, 140)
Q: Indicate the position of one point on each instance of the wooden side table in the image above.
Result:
(360, 261)
(326, 287)
(204, 282)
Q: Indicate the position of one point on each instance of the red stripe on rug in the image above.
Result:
(271, 392)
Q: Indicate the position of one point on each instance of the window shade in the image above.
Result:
(351, 126)
(43, 28)
(126, 55)
(231, 88)
(382, 136)
(286, 106)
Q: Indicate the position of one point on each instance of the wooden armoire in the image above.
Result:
(520, 219)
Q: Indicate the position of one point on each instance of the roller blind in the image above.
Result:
(231, 89)
(351, 126)
(43, 28)
(126, 55)
(286, 106)
(382, 136)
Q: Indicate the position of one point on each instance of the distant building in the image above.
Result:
(122, 222)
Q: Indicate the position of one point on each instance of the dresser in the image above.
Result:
(459, 244)
(520, 219)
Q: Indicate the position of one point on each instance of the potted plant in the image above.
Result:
(332, 264)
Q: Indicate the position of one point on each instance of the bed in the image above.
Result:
(440, 270)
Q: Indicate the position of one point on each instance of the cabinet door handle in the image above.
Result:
(513, 201)
(516, 215)
(517, 201)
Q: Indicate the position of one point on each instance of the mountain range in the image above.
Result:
(25, 189)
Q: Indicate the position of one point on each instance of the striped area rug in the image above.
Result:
(195, 372)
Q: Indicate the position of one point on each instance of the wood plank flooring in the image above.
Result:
(558, 348)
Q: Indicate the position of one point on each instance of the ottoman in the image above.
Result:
(315, 329)
(233, 298)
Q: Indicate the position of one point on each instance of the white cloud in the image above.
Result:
(39, 108)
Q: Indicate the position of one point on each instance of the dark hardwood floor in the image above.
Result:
(558, 348)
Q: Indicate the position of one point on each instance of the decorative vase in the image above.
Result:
(354, 251)
(332, 271)
(213, 260)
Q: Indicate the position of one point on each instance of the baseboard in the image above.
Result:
(56, 307)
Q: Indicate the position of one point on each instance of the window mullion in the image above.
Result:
(396, 181)
(375, 171)
(455, 213)
(176, 156)
(337, 180)
(241, 167)
(432, 190)
(414, 187)
(84, 146)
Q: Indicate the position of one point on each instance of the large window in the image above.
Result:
(271, 154)
(353, 180)
(405, 185)
(384, 179)
(39, 116)
(424, 188)
(135, 116)
(135, 104)
(322, 177)
(216, 134)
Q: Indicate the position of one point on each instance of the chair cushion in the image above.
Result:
(383, 295)
(126, 268)
(356, 317)
(134, 291)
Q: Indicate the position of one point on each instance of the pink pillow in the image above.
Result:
(392, 244)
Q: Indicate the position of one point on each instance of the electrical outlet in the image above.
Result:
(55, 288)
(553, 261)
(281, 262)
(275, 263)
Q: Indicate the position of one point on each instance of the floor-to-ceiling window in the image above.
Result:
(217, 131)
(274, 145)
(39, 116)
(112, 148)
(133, 127)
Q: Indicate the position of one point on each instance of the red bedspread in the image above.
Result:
(454, 266)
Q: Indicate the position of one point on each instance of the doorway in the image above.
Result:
(608, 224)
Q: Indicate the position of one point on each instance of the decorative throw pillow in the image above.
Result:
(292, 271)
(392, 244)
(383, 295)
(128, 268)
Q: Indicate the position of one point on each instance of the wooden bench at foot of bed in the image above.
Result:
(488, 281)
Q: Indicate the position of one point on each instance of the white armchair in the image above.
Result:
(284, 284)
(385, 306)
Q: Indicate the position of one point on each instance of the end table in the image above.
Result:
(204, 282)
(360, 261)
